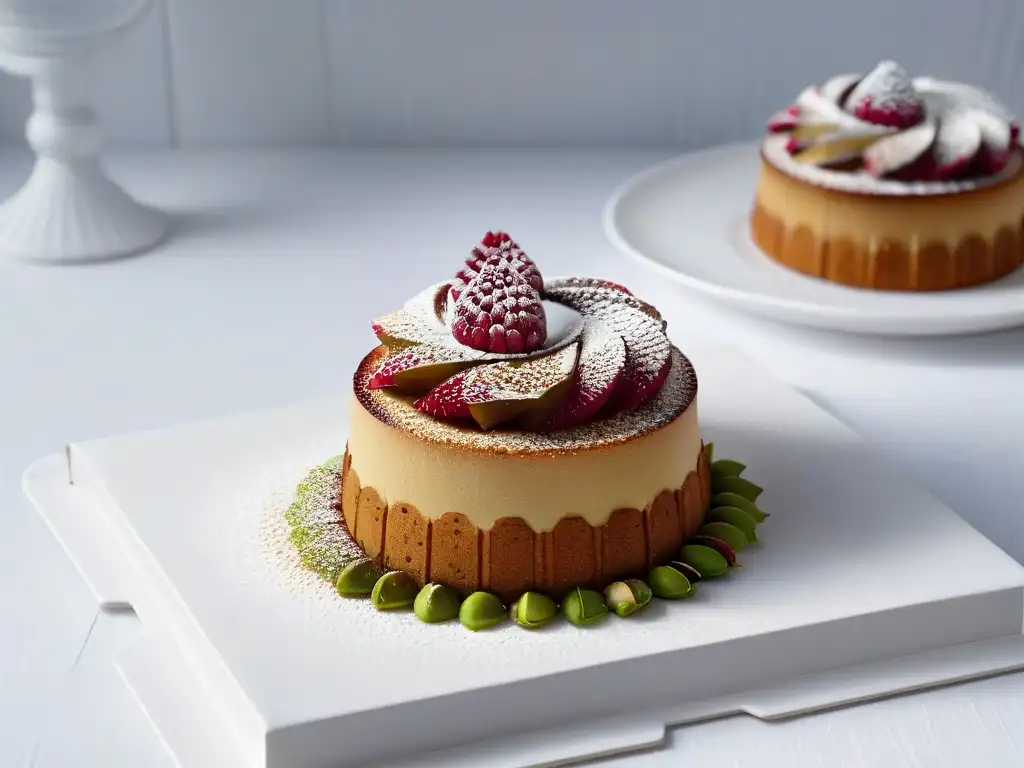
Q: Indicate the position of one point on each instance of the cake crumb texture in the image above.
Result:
(511, 557)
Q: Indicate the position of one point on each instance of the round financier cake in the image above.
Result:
(889, 183)
(557, 448)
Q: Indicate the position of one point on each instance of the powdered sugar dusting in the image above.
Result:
(321, 540)
(601, 364)
(841, 123)
(773, 150)
(671, 400)
(958, 139)
(886, 96)
(647, 347)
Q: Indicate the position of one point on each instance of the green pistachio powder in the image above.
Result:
(325, 546)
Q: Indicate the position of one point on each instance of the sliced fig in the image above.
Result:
(996, 142)
(957, 143)
(835, 148)
(648, 351)
(496, 394)
(601, 364)
(837, 89)
(556, 289)
(417, 369)
(896, 153)
(784, 120)
(886, 96)
(420, 321)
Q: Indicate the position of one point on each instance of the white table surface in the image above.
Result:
(279, 258)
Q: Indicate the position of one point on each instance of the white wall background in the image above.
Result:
(524, 72)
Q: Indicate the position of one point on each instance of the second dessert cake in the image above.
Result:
(891, 183)
(512, 433)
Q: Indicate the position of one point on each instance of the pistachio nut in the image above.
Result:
(687, 570)
(584, 606)
(395, 589)
(735, 517)
(721, 547)
(357, 579)
(627, 597)
(533, 610)
(481, 610)
(738, 485)
(708, 561)
(668, 583)
(730, 534)
(436, 603)
(727, 468)
(735, 500)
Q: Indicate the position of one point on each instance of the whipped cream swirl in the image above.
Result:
(898, 128)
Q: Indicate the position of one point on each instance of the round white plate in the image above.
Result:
(687, 219)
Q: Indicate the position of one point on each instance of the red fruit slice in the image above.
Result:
(498, 393)
(495, 247)
(418, 369)
(598, 372)
(648, 352)
(886, 96)
(585, 282)
(957, 143)
(420, 321)
(894, 155)
(996, 142)
(783, 121)
(499, 311)
(555, 288)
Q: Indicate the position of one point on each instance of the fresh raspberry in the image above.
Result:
(886, 96)
(499, 311)
(494, 246)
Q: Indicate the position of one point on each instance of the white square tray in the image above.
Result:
(863, 586)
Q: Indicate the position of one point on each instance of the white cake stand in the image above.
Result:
(69, 210)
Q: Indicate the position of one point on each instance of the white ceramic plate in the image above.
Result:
(687, 219)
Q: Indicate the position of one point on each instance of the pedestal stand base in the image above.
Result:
(72, 212)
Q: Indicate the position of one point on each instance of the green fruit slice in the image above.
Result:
(481, 610)
(583, 607)
(720, 546)
(735, 517)
(708, 561)
(738, 485)
(727, 532)
(533, 610)
(394, 590)
(357, 579)
(669, 584)
(735, 500)
(709, 453)
(688, 571)
(727, 468)
(436, 603)
(627, 597)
